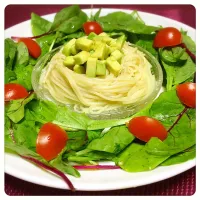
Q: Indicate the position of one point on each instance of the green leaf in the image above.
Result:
(9, 76)
(178, 74)
(43, 111)
(184, 156)
(160, 107)
(63, 166)
(120, 21)
(25, 134)
(10, 53)
(136, 159)
(114, 141)
(77, 140)
(22, 54)
(7, 129)
(39, 25)
(190, 44)
(69, 19)
(15, 109)
(23, 74)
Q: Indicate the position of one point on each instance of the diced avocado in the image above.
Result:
(103, 34)
(79, 69)
(81, 57)
(117, 55)
(101, 68)
(120, 41)
(67, 47)
(101, 52)
(113, 66)
(105, 39)
(84, 44)
(91, 35)
(69, 62)
(91, 67)
(74, 50)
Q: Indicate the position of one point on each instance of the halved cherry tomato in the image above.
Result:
(51, 140)
(167, 37)
(187, 94)
(144, 128)
(92, 27)
(33, 47)
(13, 91)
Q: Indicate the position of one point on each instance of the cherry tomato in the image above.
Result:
(187, 94)
(92, 27)
(167, 37)
(13, 91)
(144, 128)
(51, 140)
(33, 47)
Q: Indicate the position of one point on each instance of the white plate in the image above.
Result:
(95, 180)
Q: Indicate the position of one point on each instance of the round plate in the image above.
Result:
(102, 179)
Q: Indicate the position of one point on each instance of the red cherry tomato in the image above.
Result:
(167, 37)
(92, 27)
(51, 140)
(144, 128)
(187, 94)
(13, 91)
(33, 47)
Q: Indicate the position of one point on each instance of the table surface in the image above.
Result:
(183, 184)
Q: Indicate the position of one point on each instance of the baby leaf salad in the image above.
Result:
(64, 142)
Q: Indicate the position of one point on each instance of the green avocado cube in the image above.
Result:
(81, 57)
(113, 66)
(117, 55)
(79, 69)
(84, 44)
(91, 67)
(101, 52)
(91, 36)
(101, 68)
(69, 62)
(67, 47)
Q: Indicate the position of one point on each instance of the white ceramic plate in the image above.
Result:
(94, 180)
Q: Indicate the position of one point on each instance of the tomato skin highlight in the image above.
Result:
(144, 128)
(92, 27)
(167, 37)
(14, 91)
(33, 47)
(51, 140)
(186, 92)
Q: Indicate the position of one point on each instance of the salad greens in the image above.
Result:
(91, 141)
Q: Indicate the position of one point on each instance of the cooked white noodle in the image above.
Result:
(95, 95)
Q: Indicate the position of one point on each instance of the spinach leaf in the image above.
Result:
(22, 54)
(10, 53)
(136, 159)
(69, 20)
(77, 140)
(120, 21)
(7, 129)
(15, 109)
(114, 141)
(178, 74)
(39, 25)
(42, 111)
(190, 44)
(22, 150)
(25, 134)
(181, 157)
(9, 76)
(63, 166)
(139, 157)
(23, 74)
